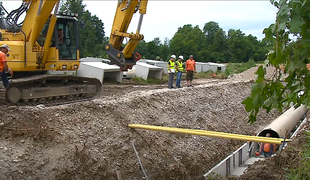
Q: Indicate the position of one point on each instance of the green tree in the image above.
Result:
(142, 50)
(164, 49)
(292, 20)
(210, 29)
(186, 41)
(219, 48)
(153, 48)
(92, 40)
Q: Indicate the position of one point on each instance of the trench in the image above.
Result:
(91, 140)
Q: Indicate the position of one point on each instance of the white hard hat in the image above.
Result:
(181, 57)
(6, 46)
(173, 56)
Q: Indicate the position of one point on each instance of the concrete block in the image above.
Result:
(252, 160)
(100, 71)
(161, 64)
(198, 67)
(221, 67)
(217, 67)
(238, 171)
(146, 71)
(205, 67)
(213, 67)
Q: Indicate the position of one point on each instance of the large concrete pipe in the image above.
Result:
(285, 123)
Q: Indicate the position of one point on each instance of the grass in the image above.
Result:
(235, 68)
(302, 171)
(210, 74)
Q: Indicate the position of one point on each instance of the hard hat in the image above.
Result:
(6, 46)
(173, 56)
(181, 57)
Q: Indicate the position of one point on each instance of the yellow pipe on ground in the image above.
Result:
(211, 134)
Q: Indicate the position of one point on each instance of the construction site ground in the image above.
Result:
(92, 140)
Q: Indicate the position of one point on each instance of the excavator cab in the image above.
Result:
(65, 37)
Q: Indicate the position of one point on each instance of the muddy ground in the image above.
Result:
(92, 140)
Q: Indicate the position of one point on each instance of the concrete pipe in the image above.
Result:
(285, 123)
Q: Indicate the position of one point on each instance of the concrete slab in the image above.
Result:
(238, 171)
(198, 67)
(217, 67)
(161, 64)
(205, 67)
(146, 71)
(100, 71)
(221, 67)
(252, 160)
(213, 67)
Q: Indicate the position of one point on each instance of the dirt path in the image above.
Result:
(91, 140)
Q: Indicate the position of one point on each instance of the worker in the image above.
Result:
(4, 49)
(179, 70)
(60, 36)
(171, 70)
(190, 70)
(267, 149)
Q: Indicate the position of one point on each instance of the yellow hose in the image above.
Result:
(211, 134)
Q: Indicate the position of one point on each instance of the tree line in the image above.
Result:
(210, 44)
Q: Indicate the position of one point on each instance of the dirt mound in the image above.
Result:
(91, 140)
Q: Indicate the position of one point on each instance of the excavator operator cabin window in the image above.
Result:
(67, 40)
(42, 36)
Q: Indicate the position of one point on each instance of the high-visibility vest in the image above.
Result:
(268, 147)
(172, 65)
(180, 66)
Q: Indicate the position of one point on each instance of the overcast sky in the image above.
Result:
(163, 18)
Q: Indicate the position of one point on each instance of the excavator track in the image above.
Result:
(51, 90)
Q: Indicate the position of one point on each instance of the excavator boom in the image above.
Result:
(119, 55)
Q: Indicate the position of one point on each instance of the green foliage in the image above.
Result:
(292, 21)
(236, 68)
(210, 74)
(208, 45)
(92, 40)
(187, 40)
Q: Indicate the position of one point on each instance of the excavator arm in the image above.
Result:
(119, 55)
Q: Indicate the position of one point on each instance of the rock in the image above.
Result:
(41, 106)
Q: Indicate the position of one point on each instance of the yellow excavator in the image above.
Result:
(46, 41)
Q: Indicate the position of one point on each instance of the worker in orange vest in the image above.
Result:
(267, 149)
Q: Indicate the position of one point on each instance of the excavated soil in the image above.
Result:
(92, 140)
(278, 166)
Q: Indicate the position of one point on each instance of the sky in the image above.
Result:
(163, 18)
